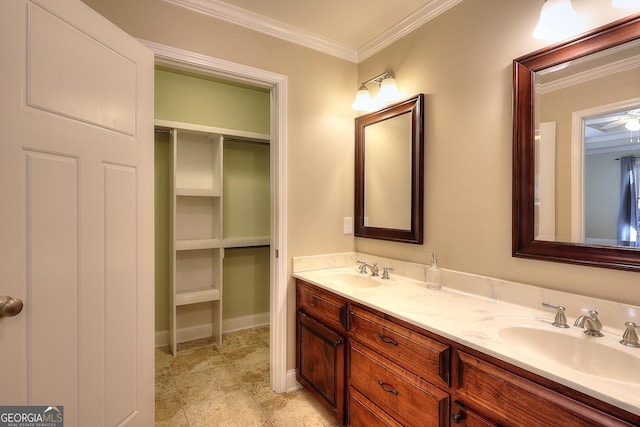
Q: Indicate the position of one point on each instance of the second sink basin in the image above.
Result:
(353, 280)
(581, 353)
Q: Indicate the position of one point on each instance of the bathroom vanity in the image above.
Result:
(364, 352)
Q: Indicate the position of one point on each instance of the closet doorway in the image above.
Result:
(275, 84)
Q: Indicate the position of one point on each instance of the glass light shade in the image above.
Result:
(362, 101)
(557, 21)
(633, 124)
(622, 4)
(388, 91)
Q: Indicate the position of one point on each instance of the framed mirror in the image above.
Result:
(389, 165)
(574, 104)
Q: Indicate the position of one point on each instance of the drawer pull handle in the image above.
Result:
(387, 340)
(387, 388)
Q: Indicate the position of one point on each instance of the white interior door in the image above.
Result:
(76, 215)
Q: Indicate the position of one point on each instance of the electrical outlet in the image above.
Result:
(348, 225)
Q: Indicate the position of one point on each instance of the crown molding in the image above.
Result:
(421, 16)
(253, 21)
(585, 76)
(244, 18)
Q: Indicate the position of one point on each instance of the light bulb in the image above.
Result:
(363, 100)
(622, 4)
(388, 91)
(633, 124)
(557, 21)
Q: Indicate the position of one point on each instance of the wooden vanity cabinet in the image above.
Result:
(463, 416)
(508, 399)
(373, 369)
(321, 345)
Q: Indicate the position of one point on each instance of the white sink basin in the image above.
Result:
(353, 280)
(581, 353)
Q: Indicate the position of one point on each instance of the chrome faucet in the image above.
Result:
(630, 337)
(373, 268)
(560, 320)
(592, 326)
(385, 272)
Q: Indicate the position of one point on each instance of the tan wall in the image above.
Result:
(320, 120)
(462, 61)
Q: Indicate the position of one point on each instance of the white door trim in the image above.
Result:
(277, 84)
(578, 119)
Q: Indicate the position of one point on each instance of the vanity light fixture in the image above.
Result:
(557, 21)
(622, 4)
(387, 94)
(633, 124)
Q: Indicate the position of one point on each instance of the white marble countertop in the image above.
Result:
(476, 321)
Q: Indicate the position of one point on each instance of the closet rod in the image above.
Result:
(245, 140)
(247, 247)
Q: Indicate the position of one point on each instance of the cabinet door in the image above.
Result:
(463, 416)
(320, 359)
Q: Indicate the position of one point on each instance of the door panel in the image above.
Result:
(58, 82)
(52, 275)
(76, 224)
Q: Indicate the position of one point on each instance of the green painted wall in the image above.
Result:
(184, 97)
(245, 189)
(189, 98)
(246, 281)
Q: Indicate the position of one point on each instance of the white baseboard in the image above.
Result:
(204, 331)
(245, 322)
(292, 384)
(162, 338)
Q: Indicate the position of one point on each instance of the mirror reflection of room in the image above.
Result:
(587, 145)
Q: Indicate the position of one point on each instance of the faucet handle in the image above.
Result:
(560, 321)
(375, 269)
(630, 337)
(362, 267)
(385, 272)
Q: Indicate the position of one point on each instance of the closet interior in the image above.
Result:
(212, 207)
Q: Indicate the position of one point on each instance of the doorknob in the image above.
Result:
(9, 306)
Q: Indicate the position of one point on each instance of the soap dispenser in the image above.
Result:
(434, 274)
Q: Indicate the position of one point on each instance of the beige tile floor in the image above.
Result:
(207, 385)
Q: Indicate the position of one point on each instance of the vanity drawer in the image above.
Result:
(423, 356)
(322, 305)
(514, 400)
(405, 397)
(364, 413)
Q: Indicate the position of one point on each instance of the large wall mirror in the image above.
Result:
(390, 172)
(576, 150)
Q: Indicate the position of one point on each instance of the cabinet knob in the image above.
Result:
(457, 418)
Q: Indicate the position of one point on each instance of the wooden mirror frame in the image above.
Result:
(415, 107)
(524, 244)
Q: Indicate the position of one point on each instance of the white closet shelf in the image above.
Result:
(263, 137)
(197, 192)
(192, 244)
(241, 242)
(197, 295)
